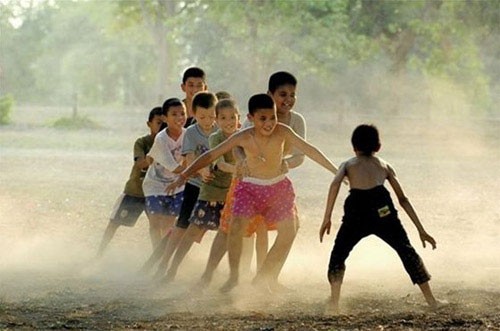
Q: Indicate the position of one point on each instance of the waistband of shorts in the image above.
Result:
(261, 181)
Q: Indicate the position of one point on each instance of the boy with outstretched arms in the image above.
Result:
(282, 88)
(195, 143)
(166, 161)
(131, 202)
(369, 210)
(206, 213)
(264, 189)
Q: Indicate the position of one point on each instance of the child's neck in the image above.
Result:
(205, 131)
(174, 133)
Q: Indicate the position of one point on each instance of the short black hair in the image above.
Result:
(203, 99)
(280, 78)
(260, 101)
(223, 95)
(226, 103)
(193, 72)
(365, 139)
(156, 111)
(172, 102)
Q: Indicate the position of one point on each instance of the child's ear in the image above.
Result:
(250, 117)
(183, 87)
(378, 147)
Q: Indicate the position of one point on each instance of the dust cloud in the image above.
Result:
(58, 189)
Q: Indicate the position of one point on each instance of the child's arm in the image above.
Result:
(205, 173)
(204, 160)
(311, 151)
(332, 197)
(140, 157)
(159, 153)
(221, 163)
(226, 167)
(408, 208)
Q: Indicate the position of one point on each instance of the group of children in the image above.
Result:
(205, 172)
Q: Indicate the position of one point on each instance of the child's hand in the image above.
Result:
(241, 169)
(178, 182)
(325, 227)
(206, 174)
(424, 236)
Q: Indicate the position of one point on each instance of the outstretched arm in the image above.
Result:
(332, 197)
(202, 161)
(408, 207)
(309, 150)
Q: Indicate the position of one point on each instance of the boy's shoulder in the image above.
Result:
(144, 140)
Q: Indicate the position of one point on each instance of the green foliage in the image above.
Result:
(6, 103)
(126, 52)
(75, 123)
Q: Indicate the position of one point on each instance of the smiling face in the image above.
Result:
(205, 117)
(228, 120)
(264, 121)
(176, 117)
(284, 97)
(192, 86)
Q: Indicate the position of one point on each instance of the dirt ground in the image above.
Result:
(58, 188)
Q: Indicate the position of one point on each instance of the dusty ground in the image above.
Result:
(58, 187)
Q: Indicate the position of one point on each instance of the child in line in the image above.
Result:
(131, 202)
(194, 143)
(264, 189)
(166, 161)
(212, 195)
(193, 81)
(282, 88)
(369, 210)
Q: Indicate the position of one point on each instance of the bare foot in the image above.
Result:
(438, 304)
(229, 285)
(276, 287)
(332, 308)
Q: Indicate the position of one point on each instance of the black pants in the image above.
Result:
(191, 193)
(370, 212)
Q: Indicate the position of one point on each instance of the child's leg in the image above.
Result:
(106, 238)
(278, 253)
(261, 244)
(427, 292)
(393, 233)
(170, 248)
(235, 242)
(190, 236)
(247, 255)
(157, 253)
(156, 224)
(167, 225)
(217, 251)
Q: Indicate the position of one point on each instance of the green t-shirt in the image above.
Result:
(217, 188)
(133, 186)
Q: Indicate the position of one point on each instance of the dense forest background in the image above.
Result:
(436, 57)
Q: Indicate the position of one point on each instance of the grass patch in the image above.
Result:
(76, 123)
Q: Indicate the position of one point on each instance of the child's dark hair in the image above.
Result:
(223, 95)
(365, 139)
(260, 101)
(156, 111)
(193, 72)
(281, 78)
(204, 99)
(226, 103)
(169, 103)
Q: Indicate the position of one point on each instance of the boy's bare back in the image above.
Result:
(366, 172)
